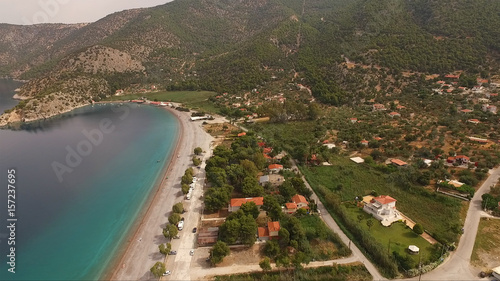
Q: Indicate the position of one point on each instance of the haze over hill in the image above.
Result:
(238, 45)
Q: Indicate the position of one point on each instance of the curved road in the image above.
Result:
(457, 266)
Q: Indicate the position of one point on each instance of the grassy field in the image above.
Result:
(326, 245)
(339, 273)
(487, 246)
(441, 215)
(398, 235)
(192, 99)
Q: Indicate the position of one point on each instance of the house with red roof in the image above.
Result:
(275, 168)
(398, 163)
(364, 142)
(242, 134)
(473, 121)
(378, 107)
(452, 76)
(354, 120)
(300, 201)
(269, 232)
(290, 208)
(383, 208)
(466, 111)
(394, 114)
(235, 203)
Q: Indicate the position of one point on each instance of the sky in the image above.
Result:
(65, 11)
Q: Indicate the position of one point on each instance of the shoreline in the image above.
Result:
(118, 262)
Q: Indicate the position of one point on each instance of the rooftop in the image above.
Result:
(237, 202)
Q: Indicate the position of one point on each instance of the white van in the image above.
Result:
(180, 225)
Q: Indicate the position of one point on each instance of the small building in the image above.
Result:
(358, 160)
(365, 142)
(462, 159)
(383, 208)
(274, 179)
(353, 120)
(394, 114)
(398, 163)
(290, 208)
(275, 168)
(269, 232)
(300, 201)
(242, 134)
(236, 203)
(274, 227)
(378, 107)
(466, 111)
(474, 121)
(455, 183)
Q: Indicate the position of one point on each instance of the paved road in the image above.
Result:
(457, 266)
(334, 226)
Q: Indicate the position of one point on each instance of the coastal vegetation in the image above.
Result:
(158, 269)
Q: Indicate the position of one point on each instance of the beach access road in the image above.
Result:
(142, 249)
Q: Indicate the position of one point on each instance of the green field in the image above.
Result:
(486, 248)
(191, 99)
(440, 216)
(398, 234)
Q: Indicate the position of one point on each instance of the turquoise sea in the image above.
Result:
(74, 226)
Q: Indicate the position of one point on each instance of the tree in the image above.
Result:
(230, 231)
(165, 248)
(250, 208)
(185, 188)
(170, 231)
(158, 269)
(284, 237)
(287, 190)
(369, 223)
(249, 168)
(418, 229)
(216, 199)
(178, 208)
(360, 218)
(248, 230)
(265, 264)
(196, 161)
(187, 179)
(174, 219)
(218, 252)
(273, 207)
(251, 187)
(198, 150)
(271, 249)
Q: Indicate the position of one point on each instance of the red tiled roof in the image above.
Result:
(291, 206)
(325, 141)
(385, 199)
(263, 232)
(394, 113)
(462, 157)
(364, 141)
(242, 134)
(267, 150)
(466, 110)
(267, 156)
(275, 166)
(273, 226)
(237, 202)
(299, 199)
(399, 162)
(261, 144)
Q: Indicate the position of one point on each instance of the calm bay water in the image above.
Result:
(72, 229)
(7, 87)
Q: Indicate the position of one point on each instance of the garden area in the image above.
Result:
(397, 237)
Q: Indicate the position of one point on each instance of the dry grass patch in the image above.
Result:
(486, 253)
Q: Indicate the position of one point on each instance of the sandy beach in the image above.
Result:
(142, 248)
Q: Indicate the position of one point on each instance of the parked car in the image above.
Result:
(194, 230)
(191, 252)
(180, 226)
(173, 253)
(168, 272)
(177, 237)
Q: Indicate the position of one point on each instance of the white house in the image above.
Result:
(383, 208)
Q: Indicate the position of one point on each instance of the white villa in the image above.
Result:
(383, 208)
